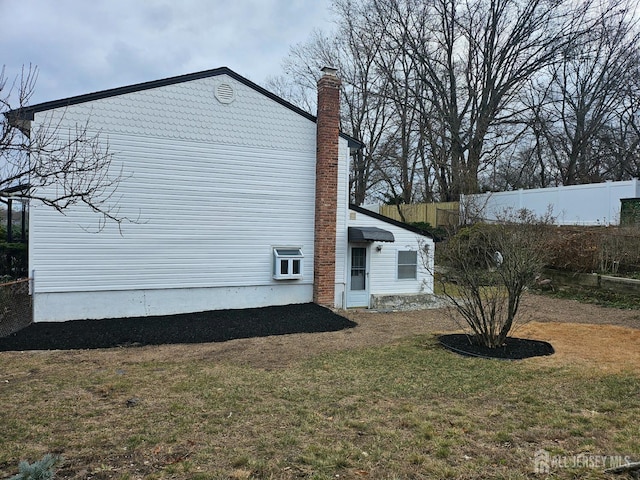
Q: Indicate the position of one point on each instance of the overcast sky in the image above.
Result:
(82, 46)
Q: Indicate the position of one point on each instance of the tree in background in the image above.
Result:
(454, 97)
(473, 59)
(77, 161)
(365, 113)
(581, 98)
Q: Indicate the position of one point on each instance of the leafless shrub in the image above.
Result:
(488, 267)
(612, 250)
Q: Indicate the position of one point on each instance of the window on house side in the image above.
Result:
(407, 264)
(287, 263)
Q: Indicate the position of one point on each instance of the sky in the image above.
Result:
(83, 46)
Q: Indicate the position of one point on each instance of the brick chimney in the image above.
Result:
(328, 130)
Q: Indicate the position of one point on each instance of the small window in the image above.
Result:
(407, 264)
(287, 263)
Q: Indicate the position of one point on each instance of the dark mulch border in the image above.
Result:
(513, 349)
(202, 327)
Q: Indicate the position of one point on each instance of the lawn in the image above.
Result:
(405, 410)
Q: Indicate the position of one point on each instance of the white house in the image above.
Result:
(239, 199)
(390, 263)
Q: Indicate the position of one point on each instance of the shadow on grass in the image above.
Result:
(202, 327)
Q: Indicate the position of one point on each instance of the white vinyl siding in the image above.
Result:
(383, 268)
(189, 111)
(211, 189)
(341, 223)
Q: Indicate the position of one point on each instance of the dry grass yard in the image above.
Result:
(381, 400)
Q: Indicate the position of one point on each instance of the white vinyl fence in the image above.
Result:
(591, 204)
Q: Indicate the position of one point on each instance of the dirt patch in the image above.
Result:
(603, 347)
(578, 332)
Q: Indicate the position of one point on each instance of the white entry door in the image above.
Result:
(358, 281)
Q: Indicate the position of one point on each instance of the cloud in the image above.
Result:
(83, 46)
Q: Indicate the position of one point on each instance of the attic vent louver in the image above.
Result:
(225, 93)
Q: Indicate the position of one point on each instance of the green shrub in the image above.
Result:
(43, 469)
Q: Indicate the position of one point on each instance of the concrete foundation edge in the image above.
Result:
(400, 302)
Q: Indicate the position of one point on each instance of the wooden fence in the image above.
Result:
(436, 214)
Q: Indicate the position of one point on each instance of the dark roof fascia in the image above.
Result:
(353, 142)
(138, 87)
(27, 113)
(16, 188)
(390, 221)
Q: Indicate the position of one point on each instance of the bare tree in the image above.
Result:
(51, 163)
(364, 112)
(585, 96)
(620, 139)
(475, 57)
(456, 96)
(401, 158)
(489, 267)
(367, 113)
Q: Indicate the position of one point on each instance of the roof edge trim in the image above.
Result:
(390, 221)
(27, 113)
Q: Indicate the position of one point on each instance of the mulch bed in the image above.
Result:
(202, 327)
(513, 348)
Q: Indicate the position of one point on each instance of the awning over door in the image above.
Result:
(369, 234)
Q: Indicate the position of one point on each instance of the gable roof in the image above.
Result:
(27, 113)
(390, 221)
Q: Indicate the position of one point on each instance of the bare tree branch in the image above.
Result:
(57, 165)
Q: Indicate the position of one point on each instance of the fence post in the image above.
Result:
(520, 201)
(609, 212)
(9, 220)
